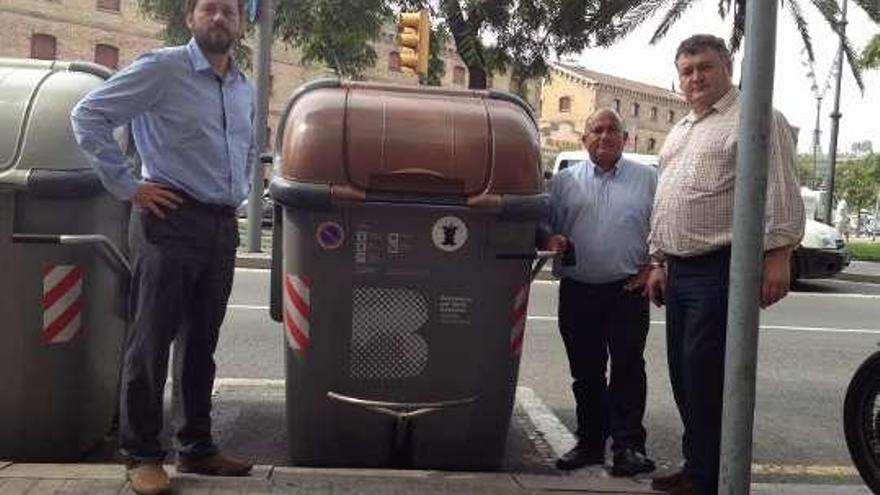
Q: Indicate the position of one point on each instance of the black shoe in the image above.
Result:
(668, 481)
(580, 456)
(631, 462)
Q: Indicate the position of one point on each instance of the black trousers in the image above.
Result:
(598, 321)
(182, 277)
(696, 329)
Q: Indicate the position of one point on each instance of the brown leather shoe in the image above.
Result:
(666, 482)
(685, 487)
(148, 478)
(215, 465)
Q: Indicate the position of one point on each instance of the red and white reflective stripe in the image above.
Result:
(62, 303)
(297, 311)
(520, 310)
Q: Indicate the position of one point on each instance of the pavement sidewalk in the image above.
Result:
(107, 479)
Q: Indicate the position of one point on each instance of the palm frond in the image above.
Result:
(672, 15)
(638, 14)
(829, 10)
(739, 26)
(723, 8)
(871, 7)
(852, 59)
(797, 15)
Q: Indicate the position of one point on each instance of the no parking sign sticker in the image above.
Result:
(330, 235)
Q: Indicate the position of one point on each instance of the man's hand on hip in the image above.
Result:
(156, 197)
(776, 281)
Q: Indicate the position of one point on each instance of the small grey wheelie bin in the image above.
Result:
(64, 273)
(401, 271)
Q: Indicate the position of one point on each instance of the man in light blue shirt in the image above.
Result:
(600, 212)
(191, 110)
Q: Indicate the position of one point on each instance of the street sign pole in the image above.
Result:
(265, 15)
(746, 266)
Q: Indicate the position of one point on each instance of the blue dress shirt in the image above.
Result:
(606, 217)
(193, 129)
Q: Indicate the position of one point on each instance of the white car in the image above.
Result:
(567, 158)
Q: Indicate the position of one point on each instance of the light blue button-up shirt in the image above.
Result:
(606, 217)
(193, 130)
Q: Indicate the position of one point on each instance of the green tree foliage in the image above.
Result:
(336, 33)
(871, 54)
(517, 37)
(858, 182)
(806, 170)
(635, 12)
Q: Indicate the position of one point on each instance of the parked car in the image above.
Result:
(266, 209)
(822, 253)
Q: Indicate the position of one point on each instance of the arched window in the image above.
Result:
(394, 62)
(107, 55)
(43, 46)
(635, 109)
(652, 143)
(565, 104)
(671, 116)
(654, 113)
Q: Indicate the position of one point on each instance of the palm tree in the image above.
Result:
(871, 54)
(636, 12)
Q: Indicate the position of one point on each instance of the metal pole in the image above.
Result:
(261, 70)
(817, 147)
(747, 249)
(835, 118)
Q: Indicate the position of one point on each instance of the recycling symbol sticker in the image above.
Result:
(449, 234)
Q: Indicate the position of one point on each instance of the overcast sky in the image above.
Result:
(634, 58)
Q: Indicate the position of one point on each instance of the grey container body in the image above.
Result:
(392, 314)
(62, 305)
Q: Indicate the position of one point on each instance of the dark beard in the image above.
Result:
(214, 44)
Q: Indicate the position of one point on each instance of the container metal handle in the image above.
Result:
(539, 256)
(103, 242)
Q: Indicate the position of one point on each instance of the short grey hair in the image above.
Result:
(614, 113)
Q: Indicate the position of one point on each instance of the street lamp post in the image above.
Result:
(835, 116)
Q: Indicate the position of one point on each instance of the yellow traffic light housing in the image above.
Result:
(415, 41)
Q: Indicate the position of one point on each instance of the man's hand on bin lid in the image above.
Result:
(155, 197)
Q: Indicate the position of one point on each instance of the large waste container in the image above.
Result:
(64, 275)
(401, 271)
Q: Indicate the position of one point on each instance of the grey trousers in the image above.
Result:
(182, 277)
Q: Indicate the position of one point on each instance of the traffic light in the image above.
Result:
(415, 41)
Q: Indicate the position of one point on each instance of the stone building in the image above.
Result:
(569, 94)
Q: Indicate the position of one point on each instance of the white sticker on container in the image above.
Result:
(449, 234)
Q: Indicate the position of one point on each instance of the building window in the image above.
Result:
(109, 5)
(617, 105)
(43, 46)
(458, 75)
(636, 144)
(394, 62)
(671, 116)
(635, 109)
(652, 143)
(564, 104)
(107, 55)
(654, 113)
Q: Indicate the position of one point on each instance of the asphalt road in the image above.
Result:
(811, 343)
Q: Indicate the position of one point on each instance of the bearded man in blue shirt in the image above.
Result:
(191, 114)
(600, 212)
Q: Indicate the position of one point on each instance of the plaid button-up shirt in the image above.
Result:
(693, 207)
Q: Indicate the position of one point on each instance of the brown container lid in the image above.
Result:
(383, 138)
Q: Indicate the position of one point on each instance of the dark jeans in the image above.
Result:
(598, 320)
(696, 329)
(182, 276)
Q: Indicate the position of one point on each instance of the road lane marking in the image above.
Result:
(553, 319)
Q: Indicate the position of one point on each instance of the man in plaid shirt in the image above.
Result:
(689, 244)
